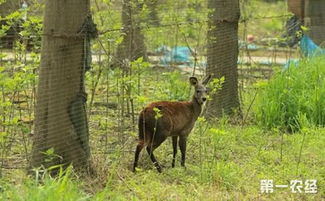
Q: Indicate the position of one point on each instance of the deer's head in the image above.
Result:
(201, 92)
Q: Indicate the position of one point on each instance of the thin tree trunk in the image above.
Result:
(222, 55)
(132, 46)
(153, 18)
(61, 123)
(8, 7)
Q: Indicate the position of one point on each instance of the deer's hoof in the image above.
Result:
(159, 169)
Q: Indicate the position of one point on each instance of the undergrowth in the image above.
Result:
(294, 97)
(223, 162)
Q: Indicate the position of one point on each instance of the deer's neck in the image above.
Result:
(197, 108)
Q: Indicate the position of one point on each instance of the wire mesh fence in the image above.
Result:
(142, 51)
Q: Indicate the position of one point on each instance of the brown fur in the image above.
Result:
(176, 116)
(177, 121)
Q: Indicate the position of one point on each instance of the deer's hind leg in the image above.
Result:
(140, 146)
(156, 142)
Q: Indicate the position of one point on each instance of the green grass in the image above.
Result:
(224, 162)
(50, 189)
(294, 98)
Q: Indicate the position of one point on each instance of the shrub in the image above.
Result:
(294, 96)
(173, 87)
(63, 188)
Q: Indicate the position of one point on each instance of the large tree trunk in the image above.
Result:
(132, 46)
(61, 123)
(222, 54)
(315, 20)
(297, 8)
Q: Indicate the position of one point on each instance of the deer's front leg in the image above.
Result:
(182, 147)
(174, 139)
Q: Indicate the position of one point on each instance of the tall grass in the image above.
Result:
(62, 188)
(294, 96)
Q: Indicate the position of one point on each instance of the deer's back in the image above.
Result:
(177, 118)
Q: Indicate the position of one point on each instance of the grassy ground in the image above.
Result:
(224, 162)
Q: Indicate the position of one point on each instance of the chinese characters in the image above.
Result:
(296, 186)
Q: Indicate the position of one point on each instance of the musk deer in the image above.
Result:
(176, 120)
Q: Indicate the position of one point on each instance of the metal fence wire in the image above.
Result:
(106, 84)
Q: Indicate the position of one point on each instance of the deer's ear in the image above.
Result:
(193, 81)
(206, 80)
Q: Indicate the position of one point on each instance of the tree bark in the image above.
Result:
(222, 55)
(297, 8)
(132, 46)
(152, 17)
(315, 20)
(60, 117)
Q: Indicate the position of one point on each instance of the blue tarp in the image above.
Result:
(162, 49)
(182, 54)
(249, 46)
(308, 48)
(178, 54)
